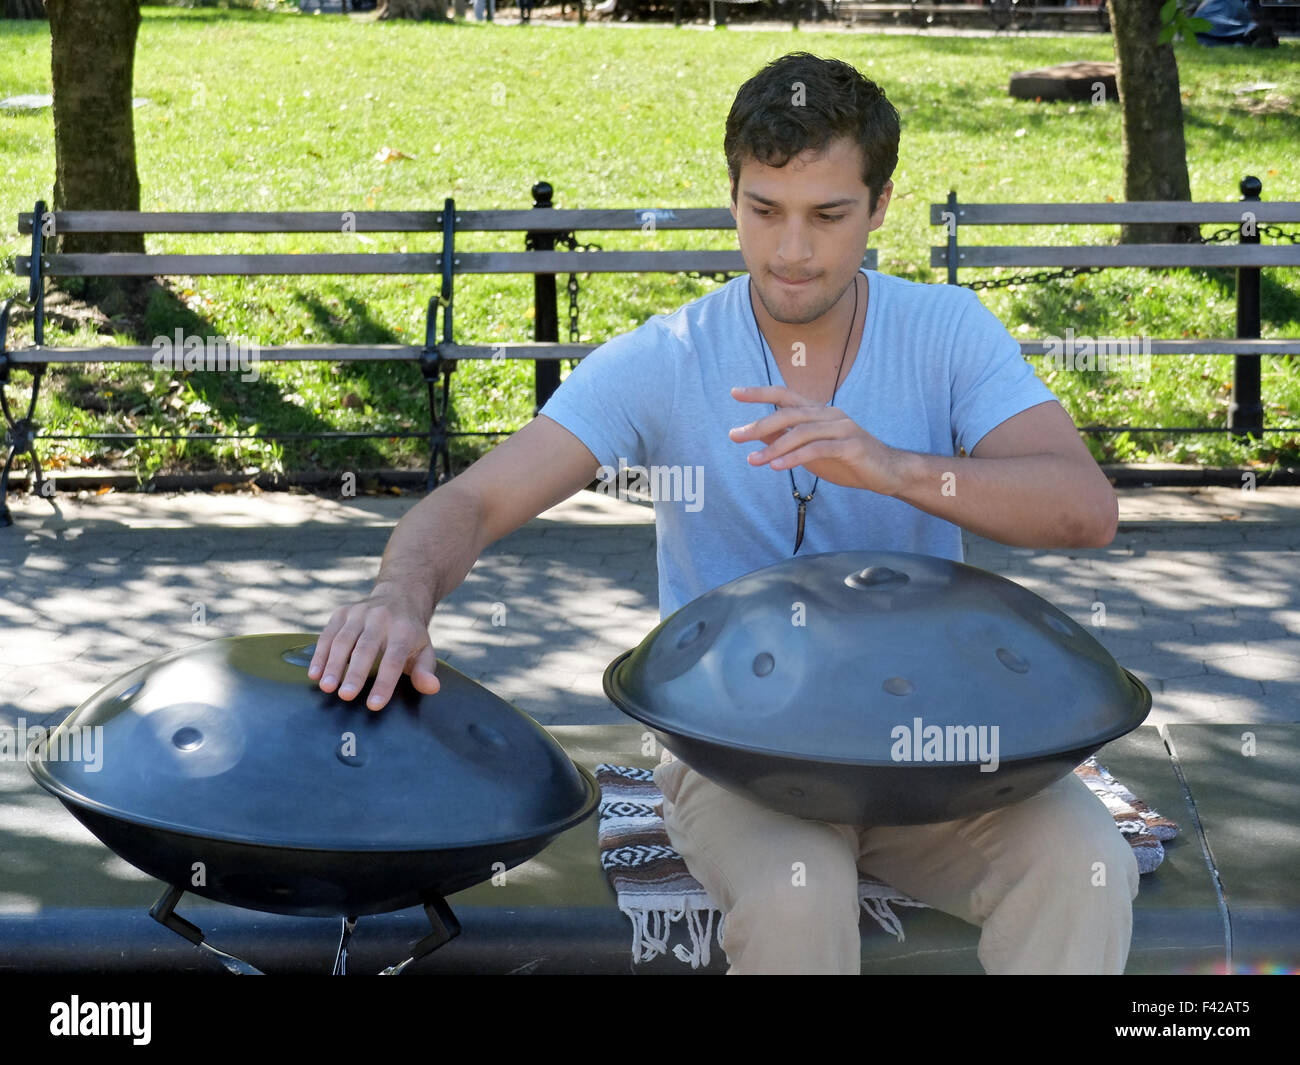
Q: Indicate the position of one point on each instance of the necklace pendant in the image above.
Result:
(798, 533)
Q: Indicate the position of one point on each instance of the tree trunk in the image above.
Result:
(92, 55)
(1155, 154)
(21, 9)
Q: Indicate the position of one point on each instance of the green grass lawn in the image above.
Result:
(275, 111)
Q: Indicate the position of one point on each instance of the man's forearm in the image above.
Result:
(432, 549)
(1026, 501)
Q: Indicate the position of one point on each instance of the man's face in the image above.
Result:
(805, 222)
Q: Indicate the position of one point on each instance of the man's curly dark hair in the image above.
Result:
(803, 101)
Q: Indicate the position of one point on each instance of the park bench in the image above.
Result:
(1247, 219)
(437, 357)
(1225, 898)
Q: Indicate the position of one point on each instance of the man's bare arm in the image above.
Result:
(1029, 482)
(431, 551)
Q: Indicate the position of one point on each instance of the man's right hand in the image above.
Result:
(356, 636)
(433, 548)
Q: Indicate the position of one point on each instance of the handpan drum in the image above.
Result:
(227, 772)
(877, 688)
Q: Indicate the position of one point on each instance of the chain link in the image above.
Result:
(1030, 279)
(1220, 235)
(1217, 237)
(1278, 233)
(570, 241)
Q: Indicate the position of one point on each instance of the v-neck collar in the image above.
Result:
(873, 295)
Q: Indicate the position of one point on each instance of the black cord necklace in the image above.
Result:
(803, 500)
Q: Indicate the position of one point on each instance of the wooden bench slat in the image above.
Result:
(121, 264)
(348, 353)
(1113, 213)
(563, 262)
(626, 218)
(530, 350)
(558, 350)
(134, 265)
(670, 261)
(1153, 255)
(311, 352)
(1199, 346)
(239, 221)
(595, 219)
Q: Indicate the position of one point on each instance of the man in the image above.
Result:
(862, 388)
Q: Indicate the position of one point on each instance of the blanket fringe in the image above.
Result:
(878, 906)
(653, 921)
(652, 928)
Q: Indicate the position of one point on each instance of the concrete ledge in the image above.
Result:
(69, 905)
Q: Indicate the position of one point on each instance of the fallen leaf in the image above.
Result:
(390, 155)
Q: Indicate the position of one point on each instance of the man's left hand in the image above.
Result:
(823, 440)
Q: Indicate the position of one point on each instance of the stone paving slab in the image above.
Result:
(1199, 593)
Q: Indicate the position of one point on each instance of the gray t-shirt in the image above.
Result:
(935, 370)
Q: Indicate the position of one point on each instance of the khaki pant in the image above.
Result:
(1049, 880)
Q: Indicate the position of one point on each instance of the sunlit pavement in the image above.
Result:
(1198, 594)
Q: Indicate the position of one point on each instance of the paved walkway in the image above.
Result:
(960, 23)
(1199, 594)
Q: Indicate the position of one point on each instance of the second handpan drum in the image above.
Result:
(877, 688)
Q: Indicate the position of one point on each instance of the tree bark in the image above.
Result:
(92, 55)
(21, 9)
(1155, 153)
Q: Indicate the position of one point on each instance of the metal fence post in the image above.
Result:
(546, 320)
(1246, 412)
(952, 237)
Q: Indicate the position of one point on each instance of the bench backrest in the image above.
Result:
(953, 215)
(541, 224)
(447, 222)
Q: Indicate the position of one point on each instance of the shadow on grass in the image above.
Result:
(266, 405)
(1051, 306)
(1211, 125)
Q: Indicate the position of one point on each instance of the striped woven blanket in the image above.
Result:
(656, 890)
